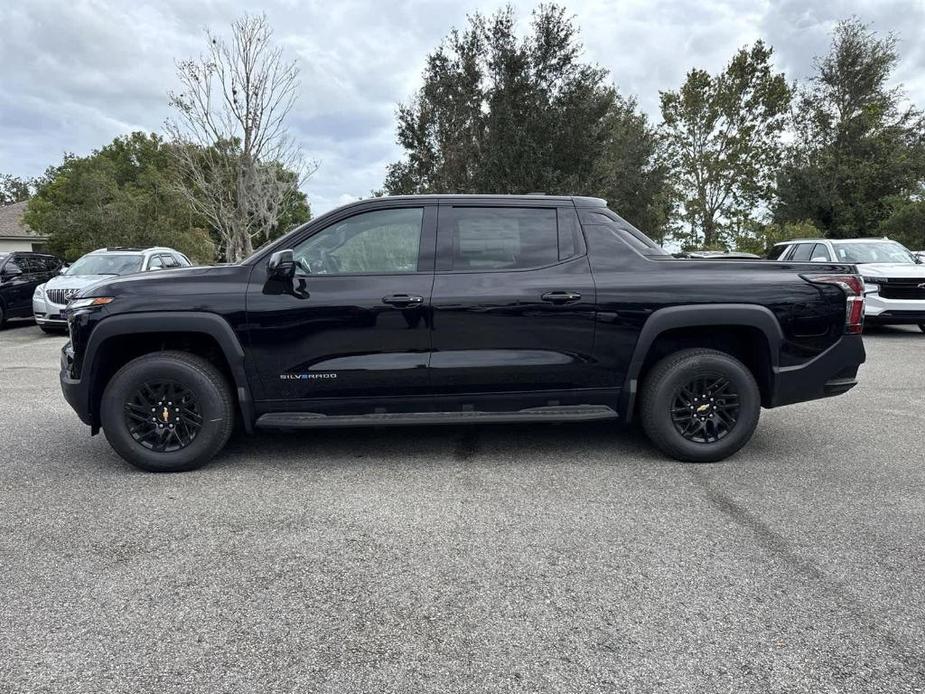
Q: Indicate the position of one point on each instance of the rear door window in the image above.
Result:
(777, 252)
(802, 253)
(501, 238)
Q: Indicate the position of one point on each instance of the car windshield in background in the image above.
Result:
(116, 264)
(873, 252)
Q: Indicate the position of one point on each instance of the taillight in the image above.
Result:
(853, 286)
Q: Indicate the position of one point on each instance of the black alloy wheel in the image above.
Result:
(168, 411)
(705, 409)
(163, 416)
(699, 405)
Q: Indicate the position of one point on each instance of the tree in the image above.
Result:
(120, 195)
(857, 148)
(906, 223)
(723, 143)
(760, 238)
(14, 189)
(501, 114)
(630, 172)
(239, 169)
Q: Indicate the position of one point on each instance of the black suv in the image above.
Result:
(20, 273)
(428, 309)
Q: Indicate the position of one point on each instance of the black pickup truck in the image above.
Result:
(460, 309)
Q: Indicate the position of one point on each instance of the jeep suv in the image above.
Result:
(50, 299)
(894, 277)
(463, 309)
(20, 273)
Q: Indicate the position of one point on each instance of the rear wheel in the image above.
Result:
(167, 411)
(700, 405)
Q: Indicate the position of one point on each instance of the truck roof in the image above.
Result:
(578, 200)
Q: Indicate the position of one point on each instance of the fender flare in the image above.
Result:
(201, 322)
(696, 316)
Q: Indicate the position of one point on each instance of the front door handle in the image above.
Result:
(403, 300)
(561, 297)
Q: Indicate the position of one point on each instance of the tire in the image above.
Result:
(154, 379)
(663, 400)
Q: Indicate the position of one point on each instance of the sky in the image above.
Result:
(74, 74)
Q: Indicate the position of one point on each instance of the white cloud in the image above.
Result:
(78, 73)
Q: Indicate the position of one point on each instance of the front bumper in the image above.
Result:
(47, 313)
(880, 311)
(831, 373)
(75, 391)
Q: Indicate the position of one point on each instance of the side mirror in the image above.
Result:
(281, 264)
(819, 259)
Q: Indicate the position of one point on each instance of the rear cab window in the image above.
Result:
(485, 238)
(629, 234)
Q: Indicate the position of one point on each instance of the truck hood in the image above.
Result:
(75, 281)
(898, 270)
(187, 280)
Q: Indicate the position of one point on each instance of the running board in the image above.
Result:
(313, 420)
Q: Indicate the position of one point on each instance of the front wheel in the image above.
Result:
(700, 405)
(167, 411)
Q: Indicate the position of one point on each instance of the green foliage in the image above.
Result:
(502, 114)
(120, 195)
(857, 148)
(125, 194)
(759, 238)
(906, 224)
(14, 189)
(723, 143)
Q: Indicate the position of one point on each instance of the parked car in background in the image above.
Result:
(894, 276)
(50, 299)
(20, 273)
(717, 255)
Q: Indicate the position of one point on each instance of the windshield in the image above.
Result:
(873, 252)
(110, 264)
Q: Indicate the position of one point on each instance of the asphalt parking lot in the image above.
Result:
(528, 558)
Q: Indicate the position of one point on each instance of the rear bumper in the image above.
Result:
(831, 373)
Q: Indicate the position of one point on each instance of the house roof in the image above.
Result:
(12, 226)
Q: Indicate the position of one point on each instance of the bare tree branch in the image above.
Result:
(233, 150)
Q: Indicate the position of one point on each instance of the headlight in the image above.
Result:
(87, 303)
(871, 285)
(39, 292)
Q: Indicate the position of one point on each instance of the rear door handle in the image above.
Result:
(560, 297)
(403, 300)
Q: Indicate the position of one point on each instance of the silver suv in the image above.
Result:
(51, 298)
(894, 276)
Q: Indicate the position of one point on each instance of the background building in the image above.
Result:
(14, 234)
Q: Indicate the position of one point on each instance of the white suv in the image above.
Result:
(894, 277)
(50, 299)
